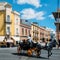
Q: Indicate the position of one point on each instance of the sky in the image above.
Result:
(39, 11)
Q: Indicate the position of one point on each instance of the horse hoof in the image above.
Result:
(48, 55)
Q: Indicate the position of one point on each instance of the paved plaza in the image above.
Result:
(11, 54)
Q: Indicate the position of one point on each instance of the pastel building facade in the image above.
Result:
(38, 32)
(35, 32)
(25, 29)
(11, 26)
(9, 22)
(44, 33)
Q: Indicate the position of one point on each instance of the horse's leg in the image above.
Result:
(49, 53)
(48, 49)
(38, 52)
(18, 49)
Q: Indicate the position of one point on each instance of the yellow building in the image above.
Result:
(38, 32)
(9, 22)
(35, 32)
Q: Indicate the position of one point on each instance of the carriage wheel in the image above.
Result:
(38, 52)
(29, 52)
(18, 49)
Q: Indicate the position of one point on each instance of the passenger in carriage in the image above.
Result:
(30, 40)
(43, 43)
(33, 43)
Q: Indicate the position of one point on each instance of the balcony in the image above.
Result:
(35, 31)
(8, 22)
(57, 22)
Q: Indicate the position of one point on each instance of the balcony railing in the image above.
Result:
(35, 31)
(56, 22)
(8, 22)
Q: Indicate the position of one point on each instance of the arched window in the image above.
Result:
(8, 18)
(22, 31)
(25, 31)
(8, 30)
(17, 31)
(16, 21)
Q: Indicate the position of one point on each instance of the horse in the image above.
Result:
(29, 47)
(48, 47)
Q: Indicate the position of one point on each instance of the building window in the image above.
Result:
(17, 31)
(8, 18)
(58, 19)
(16, 21)
(26, 31)
(29, 32)
(22, 31)
(8, 30)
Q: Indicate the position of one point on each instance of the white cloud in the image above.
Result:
(50, 29)
(51, 16)
(40, 15)
(32, 14)
(28, 13)
(35, 3)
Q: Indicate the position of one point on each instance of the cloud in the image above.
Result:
(51, 30)
(32, 14)
(51, 16)
(35, 3)
(40, 15)
(28, 13)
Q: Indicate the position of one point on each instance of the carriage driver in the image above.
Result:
(30, 40)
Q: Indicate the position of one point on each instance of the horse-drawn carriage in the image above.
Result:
(34, 47)
(29, 47)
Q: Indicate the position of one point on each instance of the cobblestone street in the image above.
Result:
(11, 54)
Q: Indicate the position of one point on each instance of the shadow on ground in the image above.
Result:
(33, 56)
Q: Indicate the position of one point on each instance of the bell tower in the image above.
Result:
(57, 22)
